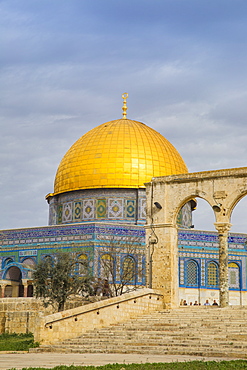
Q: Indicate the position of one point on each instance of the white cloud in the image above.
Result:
(65, 65)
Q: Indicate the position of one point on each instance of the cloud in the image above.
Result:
(64, 66)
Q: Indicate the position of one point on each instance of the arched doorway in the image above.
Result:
(16, 288)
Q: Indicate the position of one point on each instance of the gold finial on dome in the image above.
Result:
(124, 107)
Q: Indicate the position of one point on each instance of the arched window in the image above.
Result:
(212, 275)
(81, 266)
(107, 267)
(192, 274)
(29, 262)
(48, 258)
(128, 274)
(233, 275)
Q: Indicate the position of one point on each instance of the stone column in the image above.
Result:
(223, 231)
(165, 263)
(25, 290)
(3, 289)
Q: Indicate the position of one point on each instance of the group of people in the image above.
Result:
(184, 303)
(102, 288)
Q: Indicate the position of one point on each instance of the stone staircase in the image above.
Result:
(198, 331)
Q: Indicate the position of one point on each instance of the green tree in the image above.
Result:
(55, 280)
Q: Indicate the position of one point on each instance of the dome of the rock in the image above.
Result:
(118, 154)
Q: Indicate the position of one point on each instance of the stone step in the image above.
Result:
(204, 332)
(205, 350)
(153, 344)
(176, 340)
(161, 331)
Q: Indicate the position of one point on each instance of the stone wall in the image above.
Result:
(73, 323)
(22, 315)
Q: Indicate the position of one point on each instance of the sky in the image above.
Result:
(64, 65)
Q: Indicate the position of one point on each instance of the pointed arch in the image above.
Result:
(192, 273)
(212, 274)
(128, 270)
(234, 275)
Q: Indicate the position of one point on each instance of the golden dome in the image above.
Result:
(117, 154)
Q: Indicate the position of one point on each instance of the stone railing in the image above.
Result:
(74, 322)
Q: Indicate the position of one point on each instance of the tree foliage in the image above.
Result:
(55, 280)
(120, 268)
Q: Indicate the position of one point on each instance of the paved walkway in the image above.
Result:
(49, 360)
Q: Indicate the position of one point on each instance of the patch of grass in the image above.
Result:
(17, 342)
(191, 365)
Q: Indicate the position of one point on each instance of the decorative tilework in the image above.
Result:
(181, 272)
(101, 208)
(184, 218)
(192, 273)
(243, 271)
(77, 211)
(233, 275)
(130, 208)
(203, 272)
(143, 205)
(115, 208)
(52, 215)
(59, 213)
(88, 209)
(67, 212)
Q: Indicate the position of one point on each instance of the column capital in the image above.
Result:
(222, 227)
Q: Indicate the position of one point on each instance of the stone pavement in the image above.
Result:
(50, 360)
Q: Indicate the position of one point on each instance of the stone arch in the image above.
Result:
(189, 197)
(234, 199)
(221, 189)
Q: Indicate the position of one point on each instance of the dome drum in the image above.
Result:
(96, 205)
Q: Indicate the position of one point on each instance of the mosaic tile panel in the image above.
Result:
(243, 259)
(101, 208)
(181, 271)
(130, 208)
(77, 211)
(233, 275)
(88, 209)
(129, 197)
(59, 213)
(115, 208)
(52, 215)
(186, 215)
(67, 212)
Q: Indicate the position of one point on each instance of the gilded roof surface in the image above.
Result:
(117, 154)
